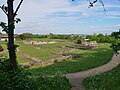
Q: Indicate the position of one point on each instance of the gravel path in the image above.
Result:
(76, 79)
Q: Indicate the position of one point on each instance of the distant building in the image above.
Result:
(5, 37)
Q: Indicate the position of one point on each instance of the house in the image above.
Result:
(4, 37)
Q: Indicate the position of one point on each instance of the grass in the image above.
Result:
(44, 53)
(4, 53)
(89, 59)
(20, 58)
(106, 81)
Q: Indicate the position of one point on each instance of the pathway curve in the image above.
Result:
(76, 79)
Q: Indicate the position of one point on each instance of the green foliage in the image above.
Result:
(52, 82)
(115, 47)
(20, 79)
(13, 78)
(22, 37)
(116, 34)
(78, 41)
(5, 40)
(30, 36)
(105, 81)
(4, 8)
(4, 27)
(102, 39)
(53, 36)
(17, 20)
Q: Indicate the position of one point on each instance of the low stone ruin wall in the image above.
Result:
(43, 63)
(38, 42)
(64, 51)
(39, 62)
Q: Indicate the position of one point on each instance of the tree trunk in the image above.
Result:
(11, 26)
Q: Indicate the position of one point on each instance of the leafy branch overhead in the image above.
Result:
(4, 27)
(91, 3)
(5, 10)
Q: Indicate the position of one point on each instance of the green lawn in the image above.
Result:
(4, 53)
(105, 81)
(89, 59)
(44, 53)
(20, 58)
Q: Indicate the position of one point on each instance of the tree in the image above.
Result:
(116, 34)
(9, 28)
(116, 46)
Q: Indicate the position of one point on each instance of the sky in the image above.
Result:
(66, 17)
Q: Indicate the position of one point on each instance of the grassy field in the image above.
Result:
(44, 53)
(4, 53)
(89, 59)
(20, 58)
(105, 81)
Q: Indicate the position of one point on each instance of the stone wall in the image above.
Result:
(43, 63)
(38, 42)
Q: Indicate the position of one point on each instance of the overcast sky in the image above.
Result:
(66, 17)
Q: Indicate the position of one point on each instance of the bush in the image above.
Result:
(20, 79)
(53, 82)
(14, 79)
(115, 47)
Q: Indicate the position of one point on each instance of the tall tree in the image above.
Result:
(10, 26)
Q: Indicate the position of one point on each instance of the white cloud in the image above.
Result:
(36, 15)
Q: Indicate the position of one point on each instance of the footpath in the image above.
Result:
(77, 78)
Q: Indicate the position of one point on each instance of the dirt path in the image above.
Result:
(76, 79)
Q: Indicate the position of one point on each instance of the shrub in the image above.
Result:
(21, 79)
(53, 82)
(115, 47)
(14, 79)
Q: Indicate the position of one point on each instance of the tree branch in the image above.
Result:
(3, 10)
(18, 8)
